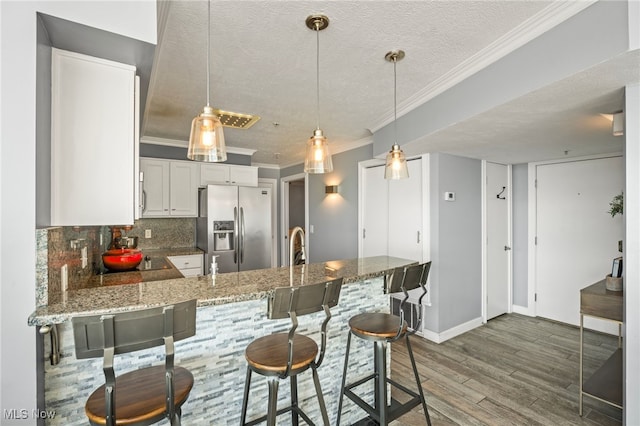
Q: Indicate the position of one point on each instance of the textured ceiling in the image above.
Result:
(263, 62)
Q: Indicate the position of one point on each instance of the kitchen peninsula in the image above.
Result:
(231, 312)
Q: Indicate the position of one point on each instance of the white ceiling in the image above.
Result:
(263, 62)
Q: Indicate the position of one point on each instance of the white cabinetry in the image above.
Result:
(188, 265)
(183, 188)
(227, 174)
(155, 187)
(170, 188)
(93, 152)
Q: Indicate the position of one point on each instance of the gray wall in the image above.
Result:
(456, 242)
(268, 173)
(296, 204)
(334, 217)
(519, 188)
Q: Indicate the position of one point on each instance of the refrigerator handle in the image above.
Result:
(235, 235)
(241, 235)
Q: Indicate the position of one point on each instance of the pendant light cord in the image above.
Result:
(208, 47)
(318, 75)
(395, 101)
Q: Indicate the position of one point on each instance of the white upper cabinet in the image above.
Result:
(93, 155)
(183, 197)
(169, 188)
(228, 174)
(155, 187)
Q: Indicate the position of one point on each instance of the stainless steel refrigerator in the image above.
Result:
(234, 224)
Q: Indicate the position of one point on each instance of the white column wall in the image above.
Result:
(632, 258)
(135, 19)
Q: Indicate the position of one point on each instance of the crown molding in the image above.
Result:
(266, 166)
(552, 15)
(185, 144)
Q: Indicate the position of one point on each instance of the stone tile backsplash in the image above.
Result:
(64, 246)
(165, 233)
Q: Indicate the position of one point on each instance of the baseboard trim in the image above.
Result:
(522, 310)
(452, 332)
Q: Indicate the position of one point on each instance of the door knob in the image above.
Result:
(507, 248)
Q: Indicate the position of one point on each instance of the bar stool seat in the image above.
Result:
(269, 354)
(140, 396)
(376, 325)
(383, 329)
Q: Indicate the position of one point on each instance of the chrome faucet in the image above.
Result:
(294, 232)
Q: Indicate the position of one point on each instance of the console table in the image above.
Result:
(606, 383)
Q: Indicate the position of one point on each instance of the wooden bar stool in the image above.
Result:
(144, 396)
(283, 355)
(381, 329)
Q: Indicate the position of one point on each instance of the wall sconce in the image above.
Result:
(618, 124)
(331, 189)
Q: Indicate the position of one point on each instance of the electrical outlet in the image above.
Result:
(147, 233)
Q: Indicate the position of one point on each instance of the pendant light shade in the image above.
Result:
(396, 164)
(206, 140)
(318, 157)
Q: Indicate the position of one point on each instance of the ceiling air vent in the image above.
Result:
(236, 120)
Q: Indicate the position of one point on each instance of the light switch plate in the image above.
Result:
(449, 196)
(64, 277)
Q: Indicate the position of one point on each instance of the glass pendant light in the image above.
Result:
(318, 157)
(396, 164)
(206, 141)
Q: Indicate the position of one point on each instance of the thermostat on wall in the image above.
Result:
(449, 196)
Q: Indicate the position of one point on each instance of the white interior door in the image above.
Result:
(375, 217)
(577, 239)
(498, 247)
(405, 214)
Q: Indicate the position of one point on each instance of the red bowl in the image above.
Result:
(122, 259)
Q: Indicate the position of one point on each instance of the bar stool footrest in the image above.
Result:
(279, 412)
(395, 409)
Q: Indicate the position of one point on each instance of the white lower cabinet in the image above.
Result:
(188, 265)
(169, 188)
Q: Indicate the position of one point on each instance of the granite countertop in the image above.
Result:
(209, 290)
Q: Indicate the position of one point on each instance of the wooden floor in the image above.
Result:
(515, 370)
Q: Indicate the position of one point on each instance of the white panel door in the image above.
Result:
(375, 212)
(405, 214)
(498, 249)
(577, 238)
